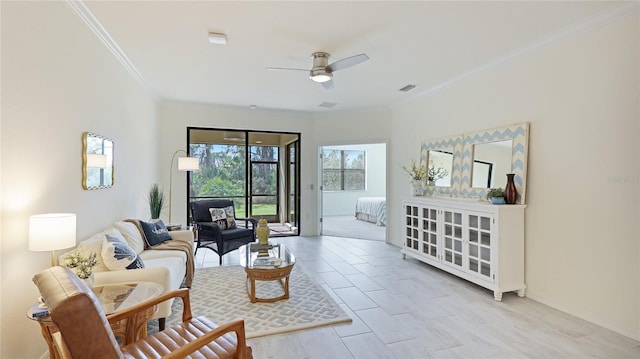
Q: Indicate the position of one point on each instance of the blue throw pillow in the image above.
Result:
(155, 233)
(117, 255)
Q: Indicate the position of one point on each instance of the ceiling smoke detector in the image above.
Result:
(217, 38)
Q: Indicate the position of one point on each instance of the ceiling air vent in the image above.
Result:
(407, 88)
(328, 104)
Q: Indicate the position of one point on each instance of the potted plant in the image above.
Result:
(156, 201)
(417, 175)
(496, 195)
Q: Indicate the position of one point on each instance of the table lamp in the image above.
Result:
(48, 232)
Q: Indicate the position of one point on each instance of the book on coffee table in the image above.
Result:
(268, 262)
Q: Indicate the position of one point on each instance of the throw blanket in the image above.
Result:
(186, 247)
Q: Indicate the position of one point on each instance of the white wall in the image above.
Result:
(581, 97)
(58, 81)
(343, 203)
(175, 117)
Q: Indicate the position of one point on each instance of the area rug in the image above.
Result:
(220, 294)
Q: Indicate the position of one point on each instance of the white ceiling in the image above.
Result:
(429, 44)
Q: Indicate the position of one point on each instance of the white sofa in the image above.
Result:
(166, 267)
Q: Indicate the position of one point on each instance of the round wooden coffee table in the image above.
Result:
(272, 262)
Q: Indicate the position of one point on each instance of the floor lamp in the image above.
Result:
(185, 164)
(48, 232)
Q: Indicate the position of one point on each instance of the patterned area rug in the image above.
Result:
(220, 294)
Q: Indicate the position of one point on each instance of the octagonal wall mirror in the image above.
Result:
(97, 162)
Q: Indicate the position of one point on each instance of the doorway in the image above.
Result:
(259, 171)
(353, 191)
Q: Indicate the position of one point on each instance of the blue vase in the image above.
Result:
(497, 200)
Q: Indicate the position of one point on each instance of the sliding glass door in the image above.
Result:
(259, 171)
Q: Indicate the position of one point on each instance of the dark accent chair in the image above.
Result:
(209, 234)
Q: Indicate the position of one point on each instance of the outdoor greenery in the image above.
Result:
(343, 170)
(222, 174)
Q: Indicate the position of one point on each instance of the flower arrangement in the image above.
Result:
(415, 172)
(437, 173)
(83, 265)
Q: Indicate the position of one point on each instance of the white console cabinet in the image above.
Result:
(477, 241)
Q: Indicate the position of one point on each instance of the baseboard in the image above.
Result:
(585, 316)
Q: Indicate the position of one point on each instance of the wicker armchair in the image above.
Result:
(220, 240)
(85, 332)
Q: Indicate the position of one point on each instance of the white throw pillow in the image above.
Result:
(93, 244)
(117, 255)
(131, 235)
(219, 217)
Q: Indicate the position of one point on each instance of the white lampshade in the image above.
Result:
(96, 161)
(48, 232)
(188, 164)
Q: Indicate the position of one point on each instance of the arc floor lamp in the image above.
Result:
(185, 164)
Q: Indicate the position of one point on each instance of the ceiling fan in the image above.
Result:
(322, 72)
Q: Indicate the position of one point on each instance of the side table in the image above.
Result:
(114, 298)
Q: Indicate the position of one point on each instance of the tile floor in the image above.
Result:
(405, 309)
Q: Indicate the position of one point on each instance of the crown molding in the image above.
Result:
(604, 17)
(79, 7)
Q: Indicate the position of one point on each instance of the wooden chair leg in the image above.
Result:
(161, 323)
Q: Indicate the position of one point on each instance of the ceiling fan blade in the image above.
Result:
(285, 69)
(328, 84)
(348, 62)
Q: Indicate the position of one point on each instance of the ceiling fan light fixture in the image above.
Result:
(320, 77)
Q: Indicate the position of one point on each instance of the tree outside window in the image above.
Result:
(343, 170)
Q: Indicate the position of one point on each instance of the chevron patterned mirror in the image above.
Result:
(502, 150)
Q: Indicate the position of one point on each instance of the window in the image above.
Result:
(343, 170)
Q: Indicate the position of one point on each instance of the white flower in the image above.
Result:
(83, 265)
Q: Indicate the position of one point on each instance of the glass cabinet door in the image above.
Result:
(452, 236)
(479, 242)
(429, 218)
(412, 230)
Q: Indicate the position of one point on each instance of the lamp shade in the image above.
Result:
(96, 161)
(48, 232)
(188, 164)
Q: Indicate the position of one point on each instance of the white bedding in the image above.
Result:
(372, 209)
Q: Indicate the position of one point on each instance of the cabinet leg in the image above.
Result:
(521, 292)
(497, 296)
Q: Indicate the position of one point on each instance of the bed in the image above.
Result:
(372, 209)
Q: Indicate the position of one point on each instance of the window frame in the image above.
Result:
(343, 169)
